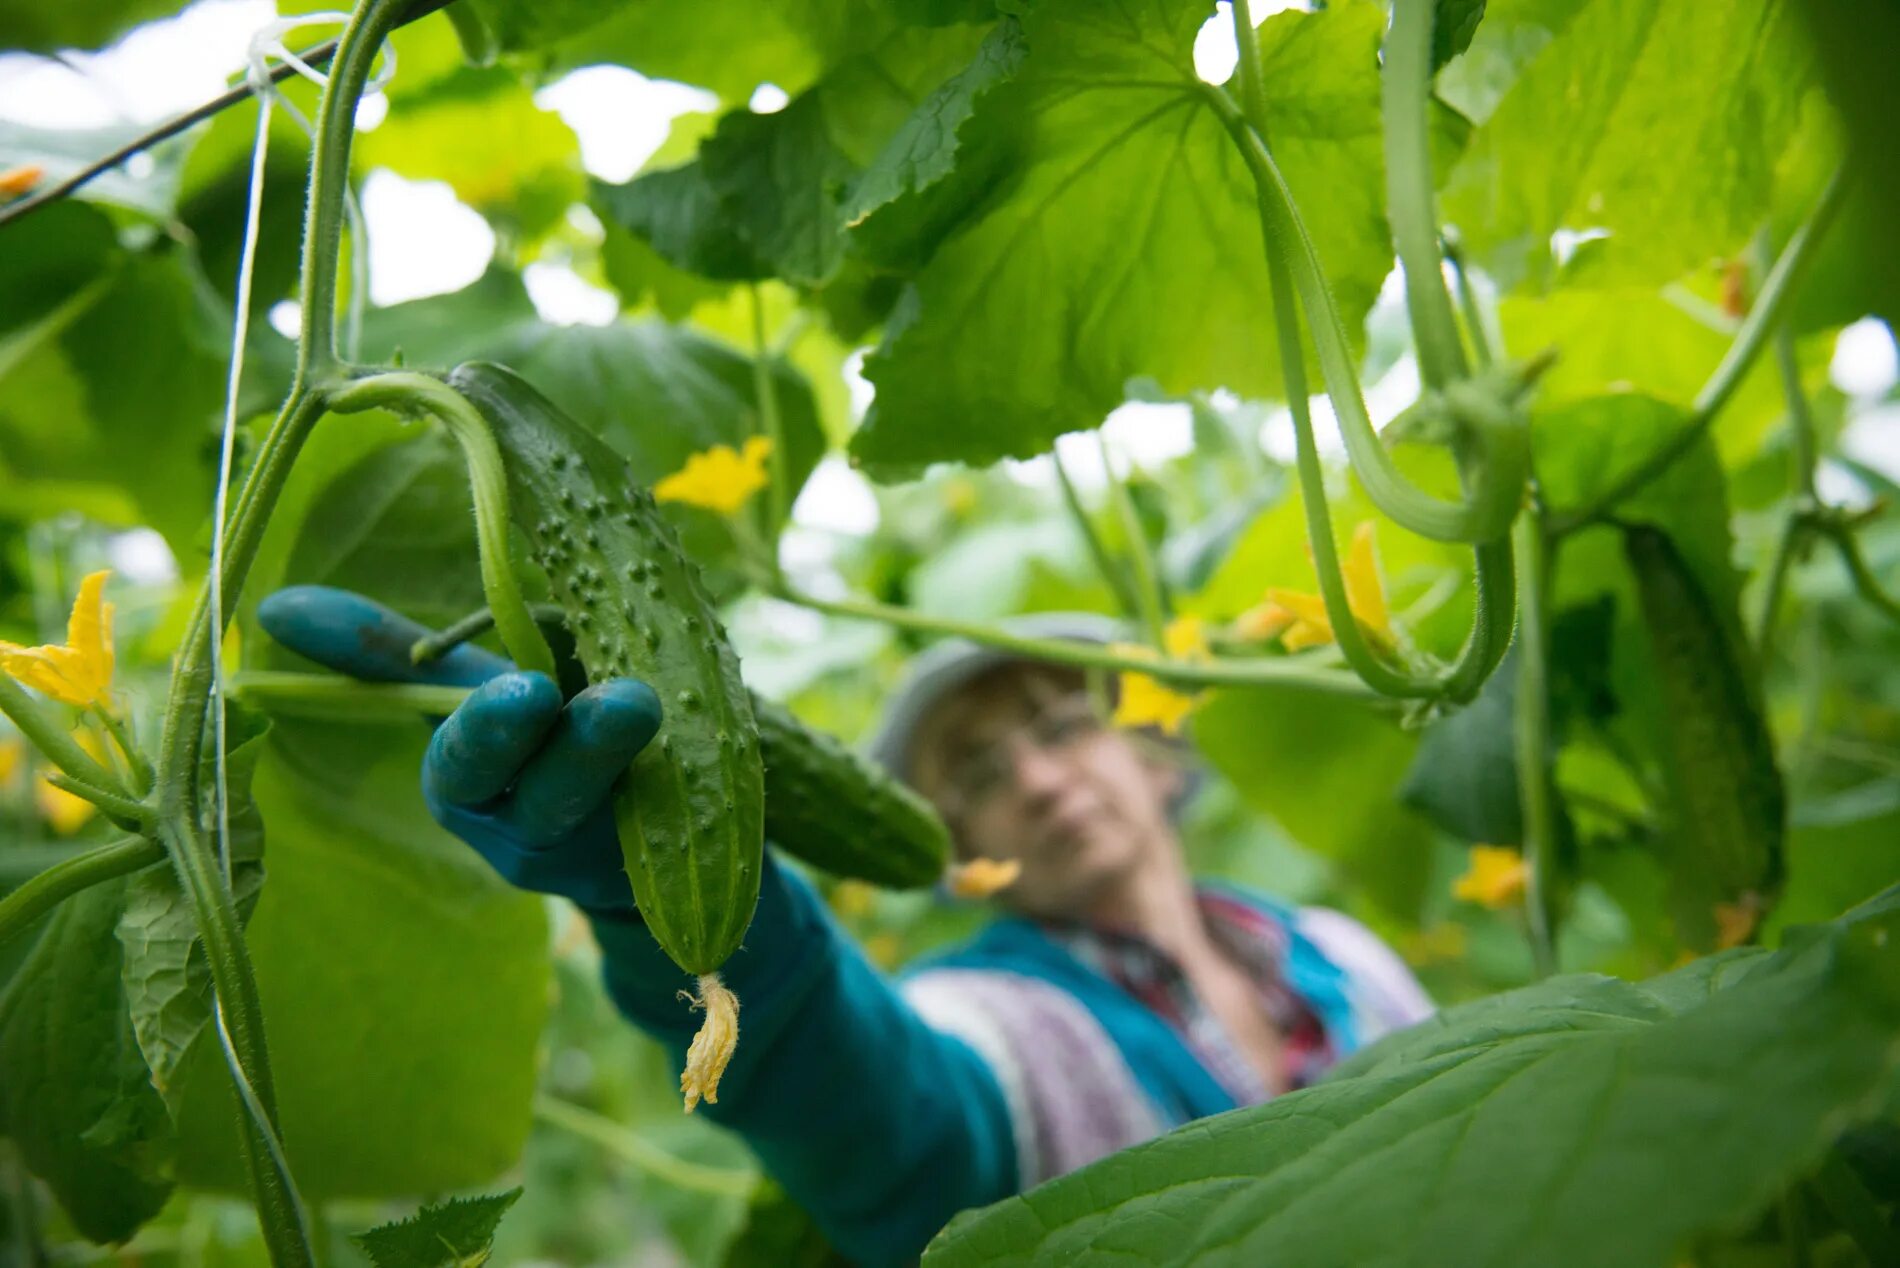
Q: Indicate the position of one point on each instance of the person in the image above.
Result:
(1114, 1000)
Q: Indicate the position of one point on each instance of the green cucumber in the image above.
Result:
(1729, 811)
(690, 812)
(834, 810)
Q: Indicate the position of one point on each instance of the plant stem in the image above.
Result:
(36, 897)
(477, 623)
(1501, 456)
(408, 392)
(1468, 306)
(642, 1153)
(53, 741)
(1111, 572)
(1149, 603)
(1264, 671)
(337, 696)
(1848, 547)
(1762, 319)
(1491, 624)
(1406, 84)
(1794, 531)
(134, 757)
(238, 1008)
(135, 816)
(767, 393)
(1800, 417)
(1532, 740)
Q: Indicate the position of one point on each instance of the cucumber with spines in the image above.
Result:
(690, 810)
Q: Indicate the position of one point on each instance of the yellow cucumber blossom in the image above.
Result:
(79, 671)
(1496, 878)
(1144, 700)
(981, 877)
(721, 478)
(12, 755)
(65, 812)
(1299, 619)
(15, 181)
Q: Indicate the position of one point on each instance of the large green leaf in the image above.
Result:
(404, 986)
(76, 1098)
(1117, 196)
(1583, 1121)
(1660, 123)
(108, 400)
(61, 152)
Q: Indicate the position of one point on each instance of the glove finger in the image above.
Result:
(599, 733)
(356, 635)
(491, 736)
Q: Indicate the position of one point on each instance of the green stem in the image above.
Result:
(1149, 603)
(1793, 1218)
(767, 393)
(1110, 571)
(53, 741)
(642, 1153)
(1468, 307)
(1532, 739)
(19, 909)
(1491, 626)
(408, 392)
(1800, 417)
(1848, 547)
(132, 815)
(336, 696)
(1264, 671)
(1793, 531)
(134, 757)
(280, 1213)
(433, 647)
(1761, 321)
(1409, 192)
(1500, 456)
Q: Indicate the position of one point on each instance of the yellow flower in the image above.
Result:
(20, 180)
(712, 1046)
(979, 878)
(719, 479)
(851, 899)
(12, 753)
(80, 671)
(1496, 877)
(1144, 700)
(1299, 619)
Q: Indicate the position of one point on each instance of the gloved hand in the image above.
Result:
(513, 772)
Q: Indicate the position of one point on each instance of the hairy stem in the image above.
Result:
(769, 419)
(1285, 671)
(1410, 203)
(408, 392)
(1761, 321)
(1532, 739)
(36, 897)
(433, 647)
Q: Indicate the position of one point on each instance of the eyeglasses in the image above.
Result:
(984, 772)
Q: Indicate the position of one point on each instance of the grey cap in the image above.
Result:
(943, 668)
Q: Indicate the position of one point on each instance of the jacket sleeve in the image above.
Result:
(878, 1125)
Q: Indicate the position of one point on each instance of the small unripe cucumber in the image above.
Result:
(837, 811)
(1730, 810)
(690, 811)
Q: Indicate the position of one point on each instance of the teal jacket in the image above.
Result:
(883, 1125)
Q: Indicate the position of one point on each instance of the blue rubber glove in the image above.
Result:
(515, 773)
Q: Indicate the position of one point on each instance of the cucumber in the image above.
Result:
(834, 810)
(690, 811)
(1729, 811)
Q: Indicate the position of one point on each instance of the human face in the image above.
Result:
(1021, 767)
